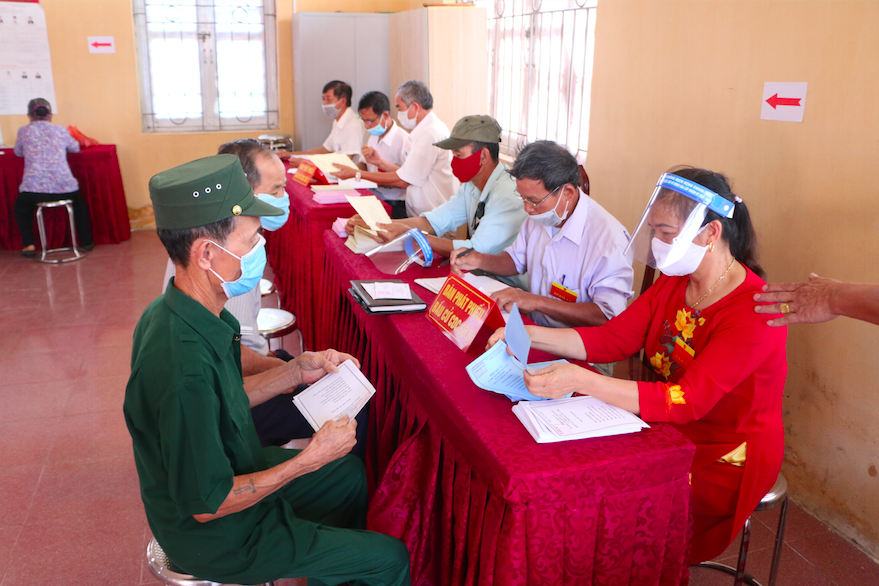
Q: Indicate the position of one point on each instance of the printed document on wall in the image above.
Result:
(25, 64)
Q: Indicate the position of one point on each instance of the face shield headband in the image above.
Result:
(675, 212)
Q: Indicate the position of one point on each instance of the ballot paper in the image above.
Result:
(498, 372)
(370, 210)
(346, 184)
(360, 242)
(575, 418)
(516, 337)
(327, 164)
(335, 395)
(331, 197)
(380, 290)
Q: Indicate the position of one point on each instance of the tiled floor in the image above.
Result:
(70, 511)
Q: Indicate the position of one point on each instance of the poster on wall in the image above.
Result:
(25, 64)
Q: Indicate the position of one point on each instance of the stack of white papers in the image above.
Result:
(335, 395)
(361, 242)
(485, 284)
(575, 418)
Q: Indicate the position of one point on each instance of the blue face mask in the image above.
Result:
(272, 223)
(253, 264)
(377, 130)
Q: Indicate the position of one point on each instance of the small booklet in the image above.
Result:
(360, 290)
(335, 395)
(575, 418)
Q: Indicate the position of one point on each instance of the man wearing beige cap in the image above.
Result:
(222, 507)
(486, 202)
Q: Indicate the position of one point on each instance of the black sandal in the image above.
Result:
(29, 253)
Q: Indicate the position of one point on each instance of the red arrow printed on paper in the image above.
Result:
(97, 44)
(776, 101)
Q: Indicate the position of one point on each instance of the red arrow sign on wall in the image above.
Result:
(776, 101)
(97, 44)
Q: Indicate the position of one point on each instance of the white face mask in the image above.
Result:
(675, 260)
(330, 110)
(405, 121)
(551, 219)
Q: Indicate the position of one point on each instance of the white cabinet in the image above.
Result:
(351, 47)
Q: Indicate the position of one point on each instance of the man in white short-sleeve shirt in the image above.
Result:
(347, 135)
(386, 147)
(571, 247)
(426, 172)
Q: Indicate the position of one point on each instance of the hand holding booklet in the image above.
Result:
(334, 396)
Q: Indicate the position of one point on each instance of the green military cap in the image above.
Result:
(472, 129)
(203, 192)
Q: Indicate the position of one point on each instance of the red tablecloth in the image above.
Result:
(296, 253)
(97, 170)
(462, 483)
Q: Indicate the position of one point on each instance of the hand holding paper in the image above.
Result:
(334, 396)
(370, 210)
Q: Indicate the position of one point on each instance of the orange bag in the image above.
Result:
(84, 141)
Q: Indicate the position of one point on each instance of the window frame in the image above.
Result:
(210, 119)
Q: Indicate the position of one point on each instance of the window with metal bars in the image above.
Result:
(541, 55)
(206, 65)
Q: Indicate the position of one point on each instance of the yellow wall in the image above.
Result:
(99, 93)
(681, 83)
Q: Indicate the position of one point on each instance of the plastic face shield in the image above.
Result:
(402, 252)
(674, 215)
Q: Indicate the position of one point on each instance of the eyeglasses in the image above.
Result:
(537, 205)
(372, 122)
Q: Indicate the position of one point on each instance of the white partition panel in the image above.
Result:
(351, 47)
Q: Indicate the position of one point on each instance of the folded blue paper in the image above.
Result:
(500, 373)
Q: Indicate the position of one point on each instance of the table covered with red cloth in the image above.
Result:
(100, 182)
(459, 480)
(296, 251)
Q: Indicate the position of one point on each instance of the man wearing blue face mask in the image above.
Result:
(277, 420)
(572, 249)
(222, 507)
(386, 148)
(347, 135)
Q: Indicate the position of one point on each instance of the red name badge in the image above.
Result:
(682, 354)
(465, 315)
(559, 291)
(305, 173)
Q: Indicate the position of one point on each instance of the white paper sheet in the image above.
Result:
(498, 372)
(388, 290)
(370, 210)
(334, 396)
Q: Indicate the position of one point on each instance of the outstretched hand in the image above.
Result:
(807, 302)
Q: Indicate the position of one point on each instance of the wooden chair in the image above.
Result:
(584, 180)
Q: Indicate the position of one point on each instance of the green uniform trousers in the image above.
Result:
(335, 498)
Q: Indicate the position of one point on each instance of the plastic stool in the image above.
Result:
(777, 495)
(77, 254)
(169, 574)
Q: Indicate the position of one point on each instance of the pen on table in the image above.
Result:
(448, 260)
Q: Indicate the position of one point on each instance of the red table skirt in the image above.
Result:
(456, 477)
(100, 182)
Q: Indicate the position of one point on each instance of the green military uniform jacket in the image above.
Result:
(190, 423)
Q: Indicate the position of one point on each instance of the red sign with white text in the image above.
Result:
(466, 315)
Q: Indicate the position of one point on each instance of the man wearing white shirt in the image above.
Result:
(571, 247)
(386, 147)
(426, 172)
(486, 203)
(347, 134)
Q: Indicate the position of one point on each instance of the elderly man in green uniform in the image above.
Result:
(221, 506)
